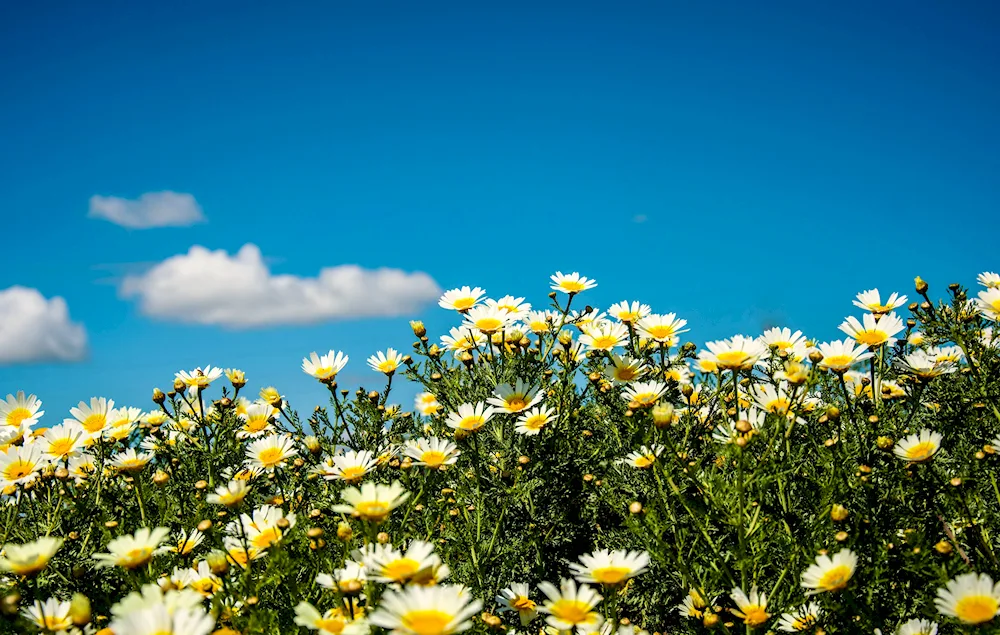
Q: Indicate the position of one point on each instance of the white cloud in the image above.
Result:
(212, 287)
(36, 329)
(152, 209)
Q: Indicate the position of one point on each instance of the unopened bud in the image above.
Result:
(382, 538)
(943, 547)
(838, 512)
(218, 563)
(10, 603)
(920, 285)
(635, 508)
(158, 396)
(663, 415)
(79, 609)
(344, 532)
(418, 328)
(160, 477)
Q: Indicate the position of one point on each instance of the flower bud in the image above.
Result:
(838, 513)
(710, 620)
(10, 603)
(178, 385)
(312, 444)
(382, 538)
(158, 396)
(635, 508)
(418, 328)
(79, 609)
(943, 547)
(204, 525)
(663, 415)
(884, 443)
(160, 477)
(344, 531)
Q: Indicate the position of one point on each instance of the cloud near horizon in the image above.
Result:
(152, 209)
(36, 329)
(239, 291)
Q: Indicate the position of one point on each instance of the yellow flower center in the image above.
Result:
(838, 362)
(611, 575)
(570, 611)
(835, 578)
(462, 304)
(625, 373)
(516, 403)
(645, 398)
(535, 422)
(488, 324)
(27, 567)
(17, 415)
(401, 569)
(256, 423)
(94, 422)
(522, 603)
(871, 338)
(780, 405)
(754, 615)
(802, 623)
(55, 623)
(132, 465)
(604, 342)
(375, 511)
(433, 458)
(645, 461)
(353, 473)
(427, 621)
(136, 558)
(324, 372)
(269, 457)
(387, 366)
(976, 609)
(572, 286)
(921, 451)
(239, 557)
(660, 332)
(266, 538)
(473, 422)
(61, 447)
(330, 624)
(729, 360)
(18, 469)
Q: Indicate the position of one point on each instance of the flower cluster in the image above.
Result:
(563, 469)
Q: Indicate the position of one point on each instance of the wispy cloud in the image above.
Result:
(152, 209)
(36, 329)
(239, 291)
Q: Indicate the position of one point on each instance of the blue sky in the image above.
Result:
(782, 156)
